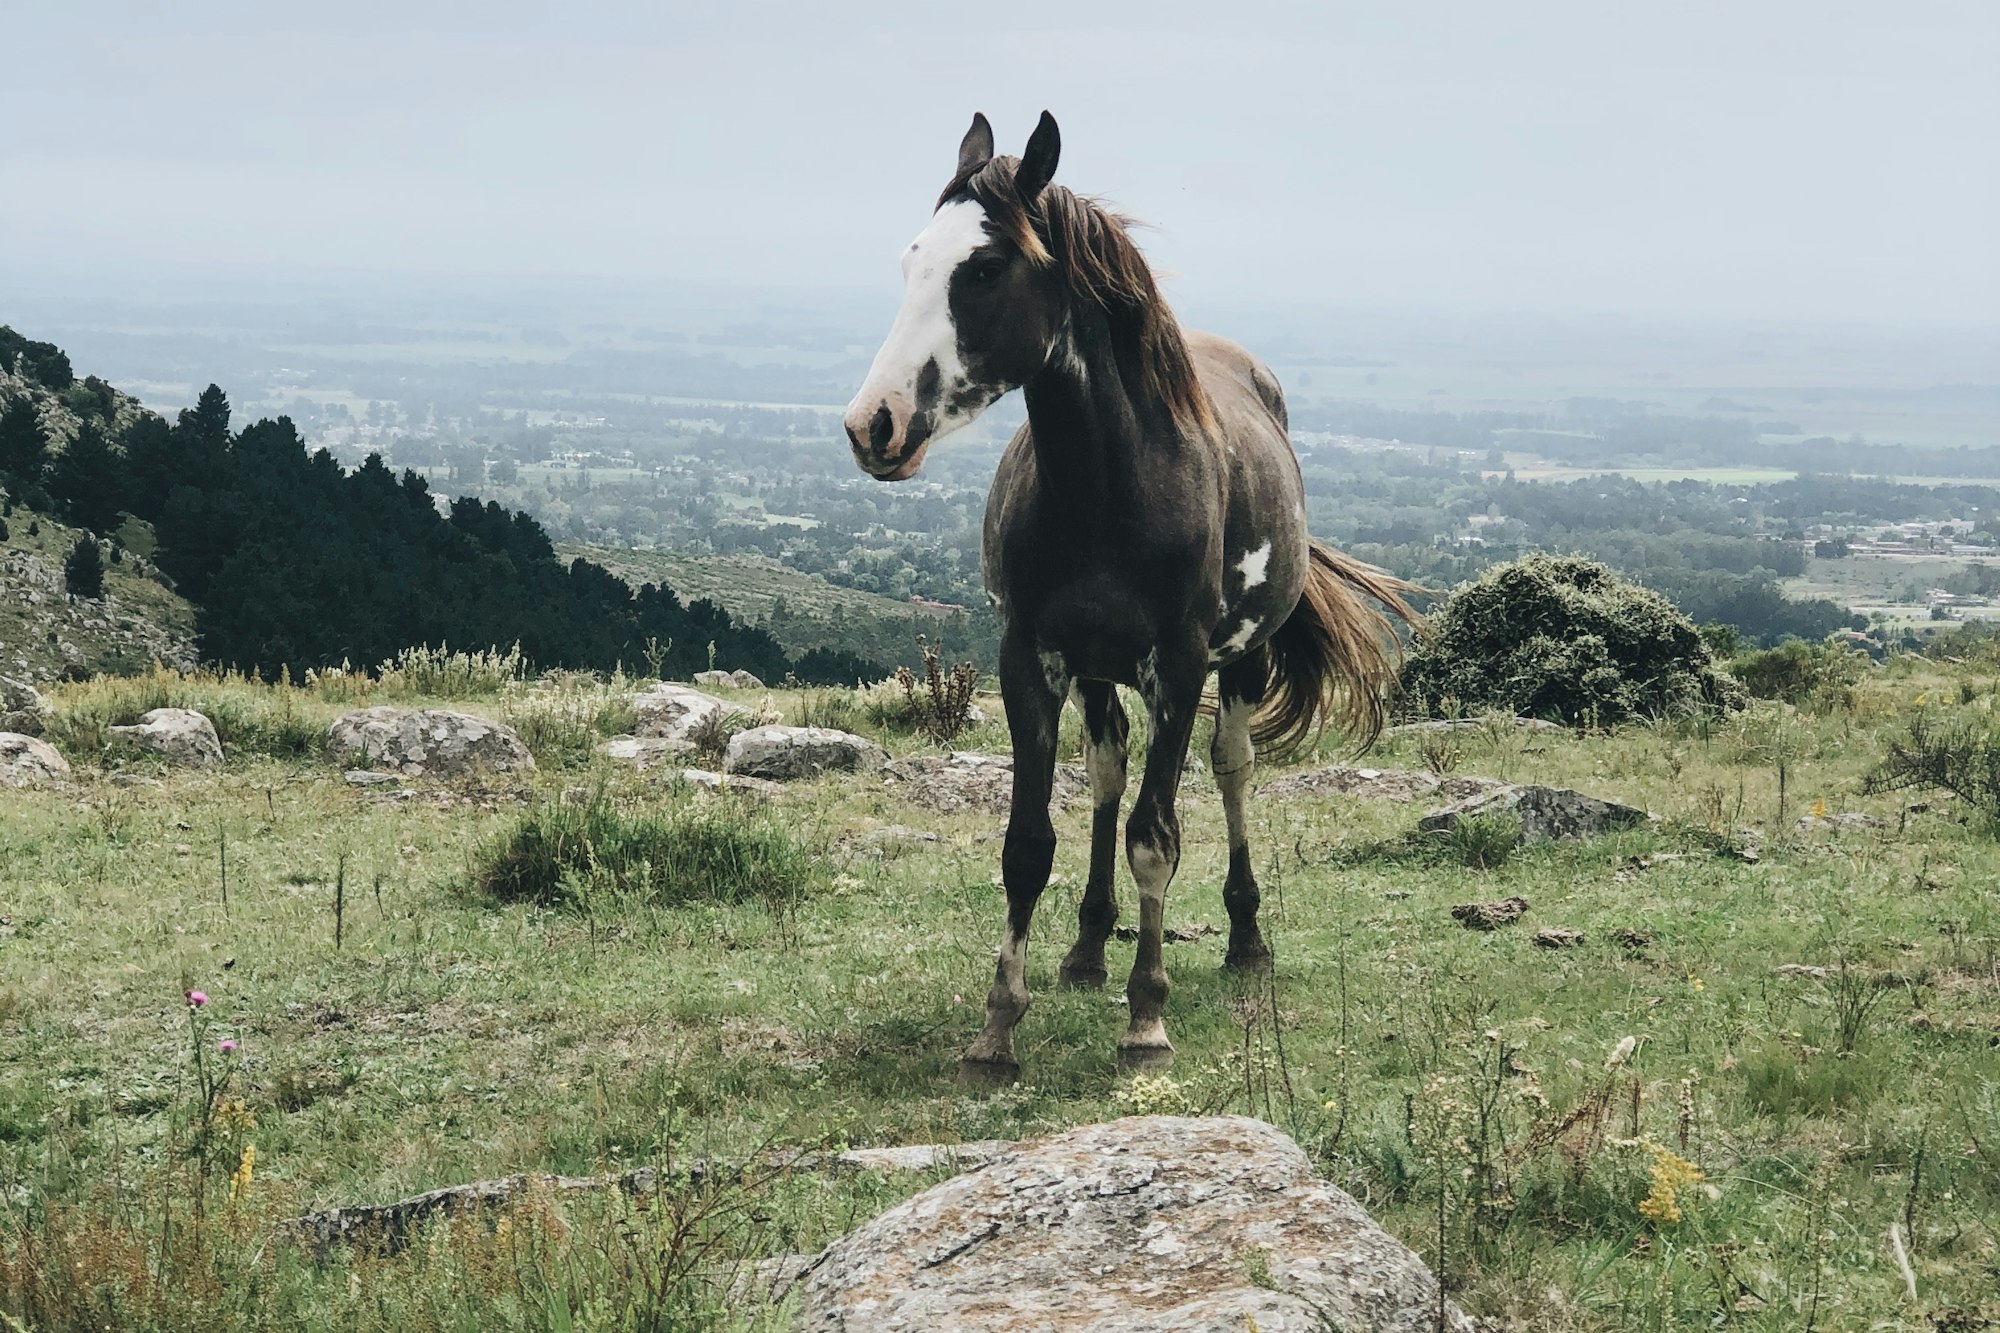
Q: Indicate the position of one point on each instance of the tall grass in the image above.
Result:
(585, 852)
(250, 717)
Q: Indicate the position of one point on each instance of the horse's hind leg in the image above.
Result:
(1033, 691)
(1232, 757)
(1104, 732)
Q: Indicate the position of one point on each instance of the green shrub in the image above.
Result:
(1954, 757)
(580, 852)
(1483, 842)
(835, 709)
(1799, 672)
(250, 718)
(1563, 638)
(439, 673)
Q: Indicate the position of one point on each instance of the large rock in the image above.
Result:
(1546, 813)
(180, 736)
(728, 680)
(781, 754)
(1379, 784)
(669, 710)
(644, 752)
(1150, 1223)
(27, 762)
(967, 780)
(430, 742)
(22, 708)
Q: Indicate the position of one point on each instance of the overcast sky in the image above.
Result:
(1812, 160)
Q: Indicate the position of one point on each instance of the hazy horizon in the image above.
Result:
(1781, 166)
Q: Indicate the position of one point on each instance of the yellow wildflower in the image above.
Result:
(1671, 1174)
(239, 1179)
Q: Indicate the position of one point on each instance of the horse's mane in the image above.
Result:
(1101, 265)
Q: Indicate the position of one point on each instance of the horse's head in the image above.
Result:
(982, 307)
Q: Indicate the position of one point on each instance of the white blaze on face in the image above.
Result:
(923, 330)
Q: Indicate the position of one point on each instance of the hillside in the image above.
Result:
(801, 611)
(44, 633)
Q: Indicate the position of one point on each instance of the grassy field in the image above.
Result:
(1742, 1167)
(745, 585)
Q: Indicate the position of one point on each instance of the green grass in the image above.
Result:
(454, 1037)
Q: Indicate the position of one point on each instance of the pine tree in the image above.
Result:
(83, 571)
(24, 446)
(88, 479)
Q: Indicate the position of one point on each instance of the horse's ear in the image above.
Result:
(975, 150)
(1038, 162)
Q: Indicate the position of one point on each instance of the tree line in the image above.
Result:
(293, 561)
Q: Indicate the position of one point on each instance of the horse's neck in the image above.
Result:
(1094, 427)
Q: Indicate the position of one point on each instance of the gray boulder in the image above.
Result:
(180, 736)
(429, 742)
(644, 752)
(782, 754)
(967, 780)
(23, 711)
(712, 781)
(729, 680)
(1211, 1225)
(27, 762)
(669, 710)
(1546, 813)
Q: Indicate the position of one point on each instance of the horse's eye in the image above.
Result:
(988, 269)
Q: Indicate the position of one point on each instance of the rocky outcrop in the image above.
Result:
(1377, 784)
(181, 736)
(669, 710)
(430, 742)
(967, 780)
(27, 762)
(785, 754)
(1546, 813)
(23, 711)
(1211, 1225)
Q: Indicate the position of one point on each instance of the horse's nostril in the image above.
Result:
(881, 427)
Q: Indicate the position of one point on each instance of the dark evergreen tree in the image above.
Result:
(24, 445)
(88, 479)
(83, 571)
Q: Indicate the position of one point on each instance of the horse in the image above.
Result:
(1146, 527)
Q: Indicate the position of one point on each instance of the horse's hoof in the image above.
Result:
(1248, 964)
(1081, 977)
(987, 1075)
(1145, 1059)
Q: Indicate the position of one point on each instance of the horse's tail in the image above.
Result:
(1335, 658)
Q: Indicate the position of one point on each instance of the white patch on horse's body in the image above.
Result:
(1254, 566)
(1240, 640)
(923, 330)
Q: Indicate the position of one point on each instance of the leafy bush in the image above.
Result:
(577, 852)
(1799, 672)
(711, 735)
(439, 673)
(562, 718)
(1563, 638)
(1483, 842)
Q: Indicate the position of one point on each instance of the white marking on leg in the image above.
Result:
(1231, 756)
(1254, 565)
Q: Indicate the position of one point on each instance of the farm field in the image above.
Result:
(744, 585)
(1771, 1047)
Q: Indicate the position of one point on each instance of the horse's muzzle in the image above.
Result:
(888, 435)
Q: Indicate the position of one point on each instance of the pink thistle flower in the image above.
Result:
(227, 1046)
(196, 999)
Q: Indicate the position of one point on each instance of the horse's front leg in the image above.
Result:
(1104, 732)
(1172, 689)
(1033, 690)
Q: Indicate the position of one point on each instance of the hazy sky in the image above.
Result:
(1812, 160)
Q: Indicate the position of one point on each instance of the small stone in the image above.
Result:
(362, 777)
(1799, 970)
